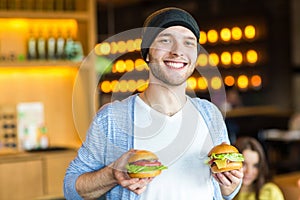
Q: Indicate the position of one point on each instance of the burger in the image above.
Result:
(144, 164)
(224, 157)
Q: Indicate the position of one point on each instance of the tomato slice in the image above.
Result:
(147, 163)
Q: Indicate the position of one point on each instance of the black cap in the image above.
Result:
(164, 18)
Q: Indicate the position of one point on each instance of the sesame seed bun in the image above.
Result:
(142, 155)
(223, 148)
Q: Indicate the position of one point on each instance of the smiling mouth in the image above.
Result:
(175, 65)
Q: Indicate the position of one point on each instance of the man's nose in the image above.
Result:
(177, 49)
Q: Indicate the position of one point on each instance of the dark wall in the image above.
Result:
(277, 70)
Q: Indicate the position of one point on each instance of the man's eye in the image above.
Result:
(164, 40)
(190, 43)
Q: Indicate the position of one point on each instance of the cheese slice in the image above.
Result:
(221, 163)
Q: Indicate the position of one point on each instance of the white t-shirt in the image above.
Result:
(182, 143)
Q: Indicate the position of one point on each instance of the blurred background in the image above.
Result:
(254, 45)
(60, 61)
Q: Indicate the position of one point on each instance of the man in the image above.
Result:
(181, 130)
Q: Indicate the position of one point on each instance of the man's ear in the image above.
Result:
(147, 58)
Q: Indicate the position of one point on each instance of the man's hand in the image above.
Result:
(136, 185)
(229, 181)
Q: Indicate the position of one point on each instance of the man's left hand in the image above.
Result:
(229, 181)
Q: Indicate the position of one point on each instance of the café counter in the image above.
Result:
(34, 174)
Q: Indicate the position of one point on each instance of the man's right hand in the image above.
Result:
(119, 171)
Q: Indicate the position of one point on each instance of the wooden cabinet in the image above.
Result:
(34, 175)
(55, 165)
(21, 178)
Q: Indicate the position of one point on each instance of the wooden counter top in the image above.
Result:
(18, 156)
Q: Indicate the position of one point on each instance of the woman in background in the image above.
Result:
(256, 181)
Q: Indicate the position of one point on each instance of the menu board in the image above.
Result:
(30, 121)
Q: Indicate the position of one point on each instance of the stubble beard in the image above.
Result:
(162, 76)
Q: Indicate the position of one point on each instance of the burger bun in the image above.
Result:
(144, 174)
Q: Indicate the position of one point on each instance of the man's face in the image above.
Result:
(173, 55)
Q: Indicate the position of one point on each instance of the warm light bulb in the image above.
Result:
(216, 83)
(212, 36)
(140, 64)
(131, 84)
(213, 59)
(191, 83)
(122, 46)
(202, 60)
(114, 48)
(202, 83)
(137, 44)
(203, 37)
(242, 82)
(102, 48)
(229, 80)
(256, 81)
(120, 66)
(129, 65)
(225, 34)
(252, 56)
(130, 46)
(249, 32)
(115, 86)
(141, 85)
(123, 87)
(106, 87)
(236, 33)
(237, 57)
(226, 58)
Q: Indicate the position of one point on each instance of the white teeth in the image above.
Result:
(176, 65)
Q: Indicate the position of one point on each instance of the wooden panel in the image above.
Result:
(50, 85)
(21, 180)
(288, 183)
(55, 168)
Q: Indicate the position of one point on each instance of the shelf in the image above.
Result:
(41, 63)
(78, 15)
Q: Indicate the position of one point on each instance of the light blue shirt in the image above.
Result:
(111, 134)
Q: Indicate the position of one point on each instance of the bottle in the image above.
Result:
(31, 46)
(41, 46)
(69, 50)
(30, 137)
(51, 46)
(60, 45)
(44, 140)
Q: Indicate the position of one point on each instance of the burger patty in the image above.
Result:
(148, 163)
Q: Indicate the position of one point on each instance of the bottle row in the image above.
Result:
(39, 39)
(41, 48)
(41, 5)
(54, 48)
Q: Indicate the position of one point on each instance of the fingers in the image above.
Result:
(229, 178)
(136, 185)
(140, 190)
(140, 186)
(222, 179)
